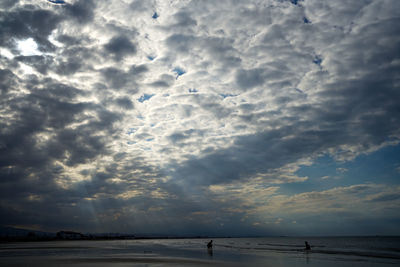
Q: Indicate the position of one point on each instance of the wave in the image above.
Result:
(283, 248)
(359, 253)
(285, 245)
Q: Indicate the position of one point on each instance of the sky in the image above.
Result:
(220, 118)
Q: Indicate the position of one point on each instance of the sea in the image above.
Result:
(265, 251)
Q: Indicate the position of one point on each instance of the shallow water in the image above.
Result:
(274, 251)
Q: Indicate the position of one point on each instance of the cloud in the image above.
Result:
(8, 81)
(386, 197)
(81, 11)
(249, 78)
(208, 113)
(120, 46)
(25, 22)
(351, 204)
(124, 102)
(40, 63)
(8, 3)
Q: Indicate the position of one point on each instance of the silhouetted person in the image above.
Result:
(308, 247)
(209, 245)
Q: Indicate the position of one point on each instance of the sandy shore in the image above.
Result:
(109, 261)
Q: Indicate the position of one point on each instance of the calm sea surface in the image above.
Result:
(274, 251)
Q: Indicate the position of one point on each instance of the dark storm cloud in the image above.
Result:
(52, 198)
(28, 22)
(90, 205)
(117, 78)
(70, 40)
(41, 63)
(69, 67)
(246, 158)
(37, 137)
(373, 113)
(53, 89)
(367, 108)
(120, 46)
(81, 11)
(7, 80)
(8, 3)
(74, 58)
(48, 109)
(43, 110)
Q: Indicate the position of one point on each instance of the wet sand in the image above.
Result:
(193, 252)
(108, 261)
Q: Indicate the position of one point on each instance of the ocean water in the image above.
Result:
(272, 251)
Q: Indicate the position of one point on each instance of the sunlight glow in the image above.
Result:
(28, 47)
(6, 53)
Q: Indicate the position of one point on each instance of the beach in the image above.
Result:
(273, 251)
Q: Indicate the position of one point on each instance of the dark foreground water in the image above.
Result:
(277, 251)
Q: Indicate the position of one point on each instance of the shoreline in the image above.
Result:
(104, 238)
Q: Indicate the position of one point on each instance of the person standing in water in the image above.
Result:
(209, 245)
(209, 248)
(308, 247)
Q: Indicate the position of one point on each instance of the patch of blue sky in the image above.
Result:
(317, 60)
(60, 2)
(151, 58)
(227, 95)
(155, 15)
(306, 20)
(380, 167)
(131, 142)
(295, 2)
(323, 167)
(149, 139)
(194, 90)
(179, 71)
(145, 97)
